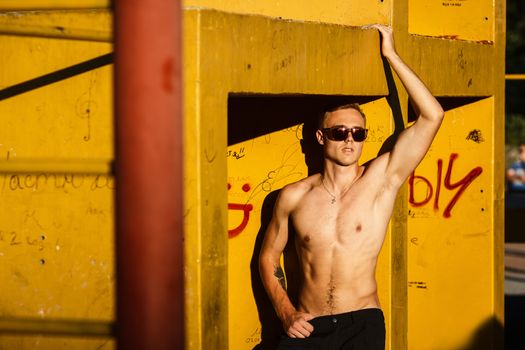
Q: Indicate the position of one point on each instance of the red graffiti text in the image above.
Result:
(449, 185)
(246, 208)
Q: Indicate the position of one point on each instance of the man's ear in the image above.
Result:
(320, 137)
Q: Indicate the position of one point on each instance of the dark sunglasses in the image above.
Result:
(340, 133)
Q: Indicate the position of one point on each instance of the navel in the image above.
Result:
(358, 228)
(307, 238)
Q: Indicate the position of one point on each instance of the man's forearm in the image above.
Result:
(272, 276)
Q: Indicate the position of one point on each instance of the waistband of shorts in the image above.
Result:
(352, 315)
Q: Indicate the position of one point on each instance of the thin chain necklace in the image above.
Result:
(342, 194)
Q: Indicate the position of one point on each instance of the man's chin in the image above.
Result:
(345, 163)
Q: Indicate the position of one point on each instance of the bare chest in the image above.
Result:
(320, 223)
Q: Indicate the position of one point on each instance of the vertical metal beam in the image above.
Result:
(149, 174)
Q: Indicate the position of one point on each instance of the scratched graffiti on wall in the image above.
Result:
(271, 177)
(434, 190)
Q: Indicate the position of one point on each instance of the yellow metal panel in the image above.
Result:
(299, 62)
(352, 12)
(56, 246)
(92, 25)
(53, 327)
(52, 4)
(56, 146)
(56, 111)
(49, 343)
(273, 56)
(450, 233)
(499, 169)
(452, 19)
(193, 285)
(466, 68)
(268, 56)
(60, 166)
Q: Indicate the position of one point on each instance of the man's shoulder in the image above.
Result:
(376, 167)
(296, 190)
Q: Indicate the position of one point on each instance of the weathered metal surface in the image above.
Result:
(148, 172)
(56, 213)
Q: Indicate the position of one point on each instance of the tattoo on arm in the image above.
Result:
(279, 274)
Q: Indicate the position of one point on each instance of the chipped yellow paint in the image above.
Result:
(56, 213)
(350, 12)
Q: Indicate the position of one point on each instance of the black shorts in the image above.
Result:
(356, 330)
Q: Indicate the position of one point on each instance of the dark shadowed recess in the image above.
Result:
(448, 103)
(254, 115)
(514, 322)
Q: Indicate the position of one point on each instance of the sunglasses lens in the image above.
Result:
(339, 133)
(359, 134)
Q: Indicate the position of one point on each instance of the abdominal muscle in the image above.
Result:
(336, 282)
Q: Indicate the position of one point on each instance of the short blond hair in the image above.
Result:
(354, 106)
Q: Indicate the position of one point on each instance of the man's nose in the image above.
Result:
(349, 137)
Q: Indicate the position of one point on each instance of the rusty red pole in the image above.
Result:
(148, 134)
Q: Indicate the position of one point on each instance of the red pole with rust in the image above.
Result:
(148, 134)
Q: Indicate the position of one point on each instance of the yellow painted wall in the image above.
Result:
(56, 222)
(452, 19)
(221, 309)
(272, 56)
(450, 233)
(56, 213)
(351, 12)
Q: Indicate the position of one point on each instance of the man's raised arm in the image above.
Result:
(414, 142)
(294, 322)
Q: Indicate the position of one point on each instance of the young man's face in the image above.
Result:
(348, 151)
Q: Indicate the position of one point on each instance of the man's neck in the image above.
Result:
(339, 178)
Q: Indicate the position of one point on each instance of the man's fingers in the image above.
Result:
(303, 332)
(294, 333)
(304, 327)
(308, 326)
(381, 27)
(300, 329)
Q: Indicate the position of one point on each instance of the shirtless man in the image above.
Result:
(341, 217)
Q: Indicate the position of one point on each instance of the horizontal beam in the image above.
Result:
(52, 4)
(37, 326)
(55, 32)
(514, 76)
(61, 166)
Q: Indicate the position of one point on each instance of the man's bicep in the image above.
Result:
(412, 145)
(275, 238)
